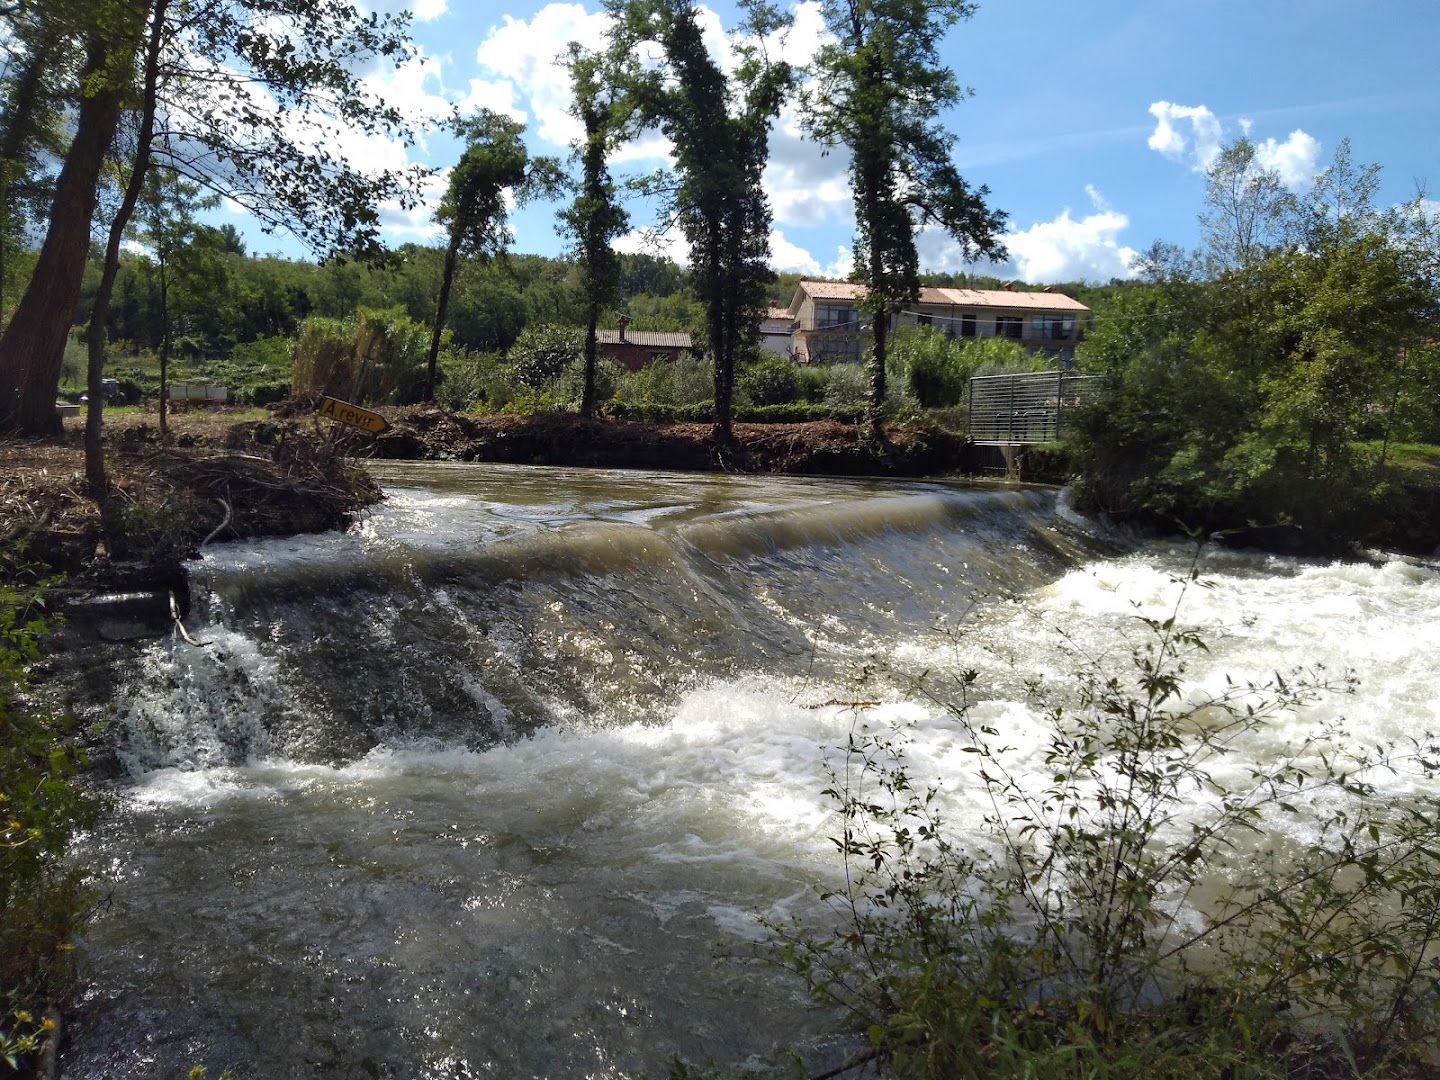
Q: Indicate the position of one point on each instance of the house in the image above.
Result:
(777, 331)
(831, 327)
(636, 348)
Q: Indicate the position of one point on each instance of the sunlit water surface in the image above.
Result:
(507, 779)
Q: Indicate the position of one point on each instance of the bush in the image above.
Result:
(935, 368)
(703, 412)
(770, 381)
(541, 353)
(680, 382)
(1070, 939)
(42, 899)
(845, 386)
(570, 387)
(376, 357)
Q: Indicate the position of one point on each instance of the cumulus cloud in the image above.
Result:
(1295, 161)
(425, 10)
(647, 241)
(1193, 135)
(806, 185)
(1185, 132)
(522, 58)
(1065, 248)
(788, 257)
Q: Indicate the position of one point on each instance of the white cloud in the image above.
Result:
(425, 10)
(647, 241)
(1296, 160)
(1201, 146)
(497, 95)
(416, 223)
(787, 257)
(806, 185)
(526, 55)
(1065, 248)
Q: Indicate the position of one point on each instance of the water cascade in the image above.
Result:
(504, 780)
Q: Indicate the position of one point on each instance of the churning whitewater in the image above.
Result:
(507, 779)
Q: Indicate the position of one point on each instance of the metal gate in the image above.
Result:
(1030, 407)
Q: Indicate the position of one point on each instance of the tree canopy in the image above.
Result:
(880, 90)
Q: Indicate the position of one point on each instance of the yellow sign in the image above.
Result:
(345, 413)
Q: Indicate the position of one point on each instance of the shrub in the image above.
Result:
(541, 353)
(680, 382)
(1068, 938)
(934, 367)
(846, 385)
(570, 387)
(770, 381)
(42, 899)
(374, 357)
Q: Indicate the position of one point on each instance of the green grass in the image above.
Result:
(1420, 462)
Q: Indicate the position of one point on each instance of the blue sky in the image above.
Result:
(1089, 123)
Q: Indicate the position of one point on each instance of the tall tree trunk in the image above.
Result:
(452, 257)
(874, 408)
(33, 345)
(587, 396)
(26, 98)
(715, 312)
(164, 351)
(96, 338)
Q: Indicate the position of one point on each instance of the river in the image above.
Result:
(505, 780)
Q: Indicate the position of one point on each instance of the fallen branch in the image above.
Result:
(180, 626)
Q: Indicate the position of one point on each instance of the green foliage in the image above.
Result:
(719, 126)
(880, 93)
(1239, 399)
(542, 353)
(376, 357)
(773, 380)
(1130, 912)
(42, 899)
(703, 412)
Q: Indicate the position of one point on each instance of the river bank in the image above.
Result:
(222, 478)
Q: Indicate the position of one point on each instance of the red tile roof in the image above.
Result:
(989, 298)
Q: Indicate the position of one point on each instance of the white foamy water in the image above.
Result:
(526, 816)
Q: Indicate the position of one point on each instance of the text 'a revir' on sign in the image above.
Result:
(343, 412)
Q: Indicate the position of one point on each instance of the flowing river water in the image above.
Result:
(505, 780)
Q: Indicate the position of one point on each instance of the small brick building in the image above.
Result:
(636, 348)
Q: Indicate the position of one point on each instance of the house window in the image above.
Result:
(833, 315)
(1052, 327)
(967, 325)
(1009, 326)
(923, 320)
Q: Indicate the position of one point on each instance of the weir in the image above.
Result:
(503, 780)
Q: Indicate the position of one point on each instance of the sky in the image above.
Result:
(1091, 124)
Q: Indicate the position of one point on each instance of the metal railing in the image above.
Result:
(1030, 407)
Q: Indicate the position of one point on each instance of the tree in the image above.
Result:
(880, 91)
(595, 218)
(719, 127)
(473, 210)
(248, 94)
(33, 344)
(140, 164)
(179, 260)
(1245, 208)
(40, 40)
